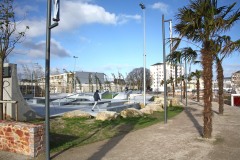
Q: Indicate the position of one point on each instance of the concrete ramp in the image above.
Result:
(11, 92)
(123, 95)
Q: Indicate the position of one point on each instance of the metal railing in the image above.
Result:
(5, 106)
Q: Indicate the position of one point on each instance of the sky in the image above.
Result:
(106, 36)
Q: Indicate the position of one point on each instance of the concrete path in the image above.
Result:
(179, 139)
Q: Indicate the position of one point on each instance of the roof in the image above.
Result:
(156, 64)
(237, 72)
(227, 77)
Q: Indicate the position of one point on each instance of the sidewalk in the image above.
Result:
(180, 139)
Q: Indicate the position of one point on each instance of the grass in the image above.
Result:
(70, 132)
(108, 96)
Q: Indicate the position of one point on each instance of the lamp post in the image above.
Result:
(164, 68)
(74, 73)
(144, 54)
(49, 26)
(33, 86)
(186, 80)
(181, 79)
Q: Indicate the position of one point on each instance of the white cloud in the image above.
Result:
(85, 40)
(57, 49)
(24, 10)
(116, 66)
(74, 14)
(37, 50)
(36, 27)
(111, 68)
(160, 6)
(24, 61)
(125, 18)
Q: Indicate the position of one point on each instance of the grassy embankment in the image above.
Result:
(70, 132)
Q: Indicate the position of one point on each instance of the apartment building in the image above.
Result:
(157, 74)
(84, 81)
(236, 78)
(229, 83)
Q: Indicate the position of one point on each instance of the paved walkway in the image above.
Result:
(179, 139)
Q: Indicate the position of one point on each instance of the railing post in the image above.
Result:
(16, 110)
(5, 107)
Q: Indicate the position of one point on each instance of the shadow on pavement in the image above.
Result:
(188, 111)
(125, 129)
(65, 139)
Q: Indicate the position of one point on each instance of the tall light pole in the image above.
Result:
(33, 87)
(49, 26)
(74, 73)
(186, 80)
(144, 53)
(181, 78)
(164, 68)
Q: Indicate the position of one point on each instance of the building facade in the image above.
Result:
(236, 78)
(89, 81)
(157, 74)
(84, 81)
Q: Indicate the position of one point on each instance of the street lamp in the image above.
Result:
(74, 73)
(33, 86)
(164, 67)
(181, 78)
(144, 54)
(186, 80)
(49, 26)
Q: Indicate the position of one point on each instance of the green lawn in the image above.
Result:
(71, 132)
(108, 96)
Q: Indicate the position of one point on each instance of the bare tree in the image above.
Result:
(27, 77)
(135, 78)
(107, 83)
(9, 37)
(98, 82)
(90, 82)
(114, 81)
(121, 81)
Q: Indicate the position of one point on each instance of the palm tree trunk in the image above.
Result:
(184, 89)
(207, 62)
(1, 88)
(173, 89)
(198, 84)
(176, 84)
(220, 77)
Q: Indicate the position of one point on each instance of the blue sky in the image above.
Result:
(105, 35)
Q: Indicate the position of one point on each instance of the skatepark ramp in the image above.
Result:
(123, 95)
(11, 92)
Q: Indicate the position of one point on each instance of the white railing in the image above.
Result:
(5, 107)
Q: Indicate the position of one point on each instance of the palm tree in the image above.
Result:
(198, 75)
(162, 83)
(223, 48)
(174, 58)
(200, 22)
(189, 55)
(184, 86)
(180, 79)
(171, 81)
